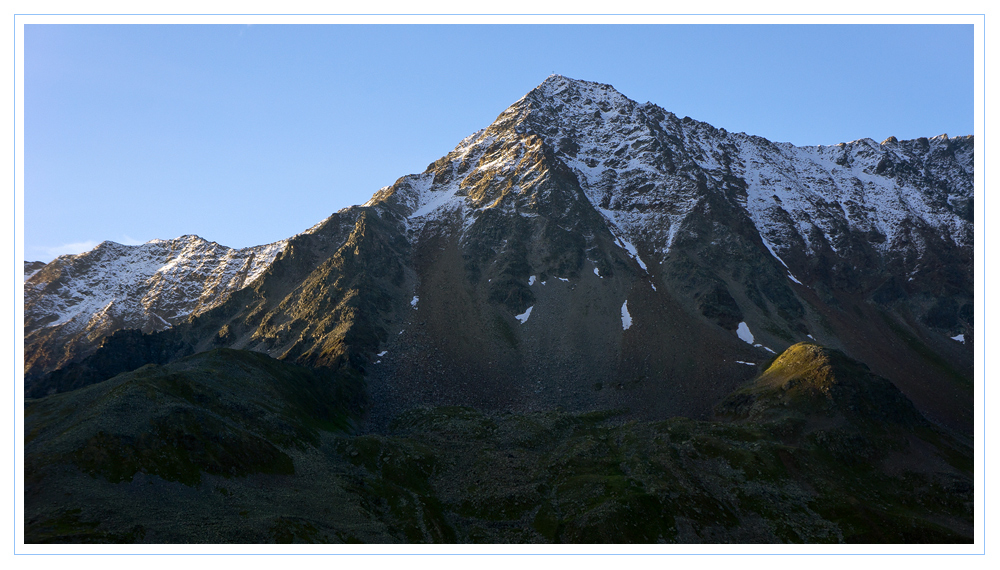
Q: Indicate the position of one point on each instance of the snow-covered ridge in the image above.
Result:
(150, 286)
(506, 150)
(647, 172)
(639, 165)
(823, 186)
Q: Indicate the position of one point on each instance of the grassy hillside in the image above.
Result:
(233, 446)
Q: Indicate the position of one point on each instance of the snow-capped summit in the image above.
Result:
(72, 303)
(647, 171)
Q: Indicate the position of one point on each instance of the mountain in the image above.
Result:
(591, 320)
(587, 251)
(75, 301)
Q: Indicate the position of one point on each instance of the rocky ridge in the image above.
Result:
(641, 166)
(75, 301)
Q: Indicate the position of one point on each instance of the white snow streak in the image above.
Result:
(627, 245)
(626, 318)
(770, 248)
(523, 317)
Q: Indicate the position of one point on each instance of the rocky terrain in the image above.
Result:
(75, 301)
(584, 267)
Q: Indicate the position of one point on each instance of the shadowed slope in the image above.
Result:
(232, 446)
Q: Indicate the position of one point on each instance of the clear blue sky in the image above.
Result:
(249, 134)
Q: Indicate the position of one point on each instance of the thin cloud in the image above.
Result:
(129, 240)
(47, 254)
(50, 253)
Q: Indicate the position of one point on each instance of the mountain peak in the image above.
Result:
(72, 303)
(569, 90)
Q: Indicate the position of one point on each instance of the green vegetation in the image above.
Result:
(816, 449)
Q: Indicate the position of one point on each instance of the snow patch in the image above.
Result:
(531, 281)
(743, 331)
(626, 317)
(383, 353)
(523, 317)
(792, 277)
(562, 279)
(597, 272)
(960, 338)
(748, 363)
(413, 302)
(429, 199)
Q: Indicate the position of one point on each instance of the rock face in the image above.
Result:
(32, 267)
(74, 302)
(587, 251)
